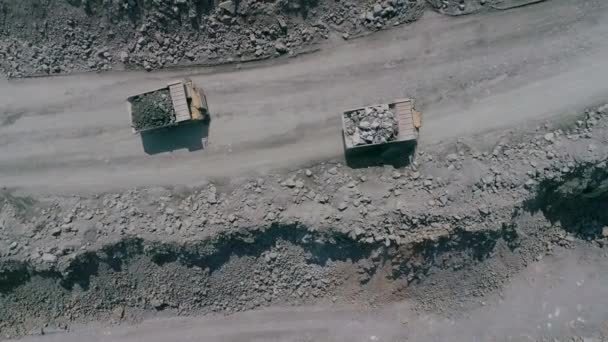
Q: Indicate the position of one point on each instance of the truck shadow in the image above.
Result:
(396, 154)
(192, 136)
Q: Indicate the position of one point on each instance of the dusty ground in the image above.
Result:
(560, 298)
(327, 234)
(510, 168)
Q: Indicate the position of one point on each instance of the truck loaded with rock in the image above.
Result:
(373, 132)
(373, 129)
(180, 102)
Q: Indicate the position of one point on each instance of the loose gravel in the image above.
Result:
(444, 231)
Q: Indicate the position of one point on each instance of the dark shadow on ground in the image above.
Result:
(577, 200)
(192, 136)
(398, 154)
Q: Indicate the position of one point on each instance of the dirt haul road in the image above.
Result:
(470, 74)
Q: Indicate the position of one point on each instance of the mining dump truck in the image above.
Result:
(381, 133)
(180, 102)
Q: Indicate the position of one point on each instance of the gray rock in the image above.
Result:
(13, 245)
(342, 206)
(374, 124)
(388, 11)
(369, 16)
(147, 66)
(102, 52)
(290, 183)
(321, 199)
(308, 173)
(36, 331)
(550, 137)
(487, 180)
(281, 47)
(484, 210)
(452, 157)
(605, 232)
(157, 303)
(529, 184)
(212, 198)
(118, 313)
(282, 24)
(48, 257)
(228, 6)
(377, 10)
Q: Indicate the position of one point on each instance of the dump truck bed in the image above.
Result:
(188, 104)
(130, 110)
(407, 120)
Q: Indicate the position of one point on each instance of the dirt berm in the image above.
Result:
(444, 231)
(42, 37)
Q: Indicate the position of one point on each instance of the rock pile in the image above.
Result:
(152, 110)
(381, 13)
(371, 125)
(152, 35)
(461, 7)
